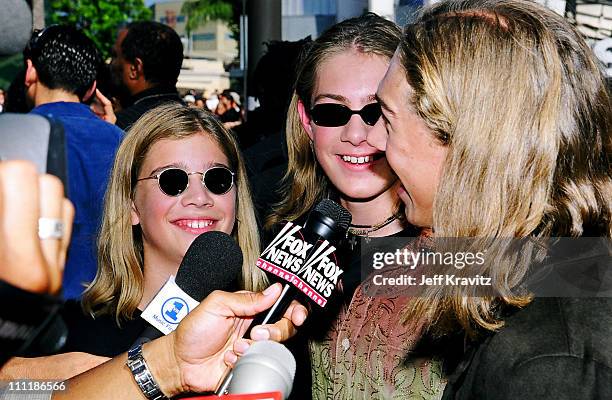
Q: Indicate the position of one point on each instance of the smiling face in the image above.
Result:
(170, 224)
(412, 150)
(357, 169)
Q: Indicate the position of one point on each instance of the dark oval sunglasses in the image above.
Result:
(174, 181)
(334, 115)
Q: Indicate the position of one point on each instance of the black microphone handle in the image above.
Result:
(276, 312)
(290, 292)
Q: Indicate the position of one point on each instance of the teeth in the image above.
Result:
(199, 224)
(356, 160)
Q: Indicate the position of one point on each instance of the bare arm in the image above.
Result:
(194, 357)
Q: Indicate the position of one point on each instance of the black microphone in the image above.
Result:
(304, 257)
(15, 26)
(329, 221)
(212, 262)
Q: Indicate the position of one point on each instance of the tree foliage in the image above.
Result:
(199, 12)
(99, 19)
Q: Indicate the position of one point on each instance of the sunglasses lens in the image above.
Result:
(173, 181)
(218, 180)
(371, 113)
(330, 115)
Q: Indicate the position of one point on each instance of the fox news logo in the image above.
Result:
(309, 267)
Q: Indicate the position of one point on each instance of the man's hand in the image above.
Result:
(103, 108)
(202, 346)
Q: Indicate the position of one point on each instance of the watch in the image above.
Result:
(142, 374)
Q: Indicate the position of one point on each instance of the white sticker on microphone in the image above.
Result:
(169, 307)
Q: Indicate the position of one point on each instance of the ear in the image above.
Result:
(134, 215)
(31, 76)
(305, 119)
(137, 69)
(90, 91)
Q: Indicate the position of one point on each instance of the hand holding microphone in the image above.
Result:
(190, 359)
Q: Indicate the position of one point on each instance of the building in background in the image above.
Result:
(212, 46)
(301, 18)
(207, 49)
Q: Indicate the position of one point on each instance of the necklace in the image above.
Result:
(365, 230)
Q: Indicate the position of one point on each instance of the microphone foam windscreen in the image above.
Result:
(335, 211)
(212, 262)
(267, 366)
(15, 26)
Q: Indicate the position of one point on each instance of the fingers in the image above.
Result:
(51, 203)
(23, 264)
(285, 328)
(296, 313)
(238, 349)
(103, 108)
(29, 262)
(279, 332)
(244, 304)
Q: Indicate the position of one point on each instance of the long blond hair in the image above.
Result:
(519, 99)
(305, 182)
(118, 286)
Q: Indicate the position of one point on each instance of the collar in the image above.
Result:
(154, 92)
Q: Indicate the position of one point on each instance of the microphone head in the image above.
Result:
(329, 220)
(15, 26)
(212, 262)
(267, 366)
(335, 211)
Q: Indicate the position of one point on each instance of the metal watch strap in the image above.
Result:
(142, 374)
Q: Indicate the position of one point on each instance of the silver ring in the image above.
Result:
(50, 228)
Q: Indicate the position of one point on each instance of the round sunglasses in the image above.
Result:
(334, 115)
(174, 181)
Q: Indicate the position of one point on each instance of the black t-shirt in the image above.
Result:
(100, 336)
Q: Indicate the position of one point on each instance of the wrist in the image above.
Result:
(164, 365)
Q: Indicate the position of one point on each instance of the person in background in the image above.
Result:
(15, 97)
(200, 102)
(145, 65)
(499, 126)
(263, 135)
(61, 69)
(189, 100)
(2, 99)
(228, 110)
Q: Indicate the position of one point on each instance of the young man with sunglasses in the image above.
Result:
(61, 68)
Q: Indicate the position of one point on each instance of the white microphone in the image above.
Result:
(267, 366)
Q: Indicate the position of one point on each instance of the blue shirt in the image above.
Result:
(91, 144)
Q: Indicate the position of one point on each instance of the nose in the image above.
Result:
(355, 131)
(377, 137)
(197, 194)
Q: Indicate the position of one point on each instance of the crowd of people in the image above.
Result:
(485, 119)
